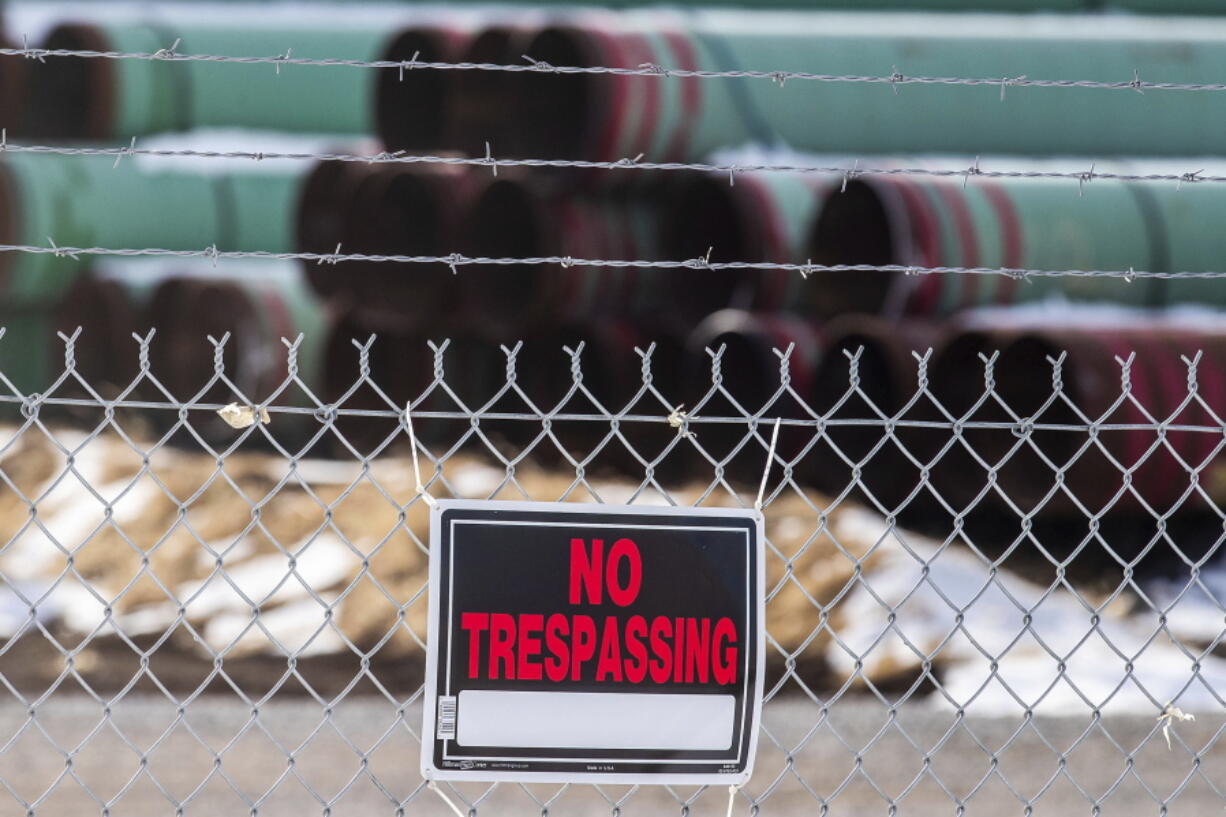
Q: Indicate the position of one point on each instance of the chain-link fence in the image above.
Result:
(216, 602)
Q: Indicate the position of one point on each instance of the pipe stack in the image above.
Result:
(1041, 224)
(609, 117)
(626, 214)
(82, 201)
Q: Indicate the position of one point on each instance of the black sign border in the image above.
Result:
(613, 766)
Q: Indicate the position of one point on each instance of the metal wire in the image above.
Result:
(457, 260)
(855, 171)
(850, 588)
(895, 78)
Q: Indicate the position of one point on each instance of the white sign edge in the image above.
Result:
(430, 694)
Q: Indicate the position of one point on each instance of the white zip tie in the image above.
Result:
(732, 790)
(430, 784)
(421, 488)
(770, 457)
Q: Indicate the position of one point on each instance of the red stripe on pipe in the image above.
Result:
(925, 235)
(283, 327)
(1011, 233)
(1212, 390)
(649, 87)
(617, 109)
(691, 96)
(953, 198)
(1135, 444)
(1170, 477)
(769, 226)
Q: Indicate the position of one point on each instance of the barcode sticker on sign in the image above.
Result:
(446, 718)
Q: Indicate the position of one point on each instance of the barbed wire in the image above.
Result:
(456, 260)
(730, 169)
(647, 69)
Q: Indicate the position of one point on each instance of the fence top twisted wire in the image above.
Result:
(457, 260)
(731, 169)
(894, 78)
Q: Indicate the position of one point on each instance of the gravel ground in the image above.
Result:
(233, 765)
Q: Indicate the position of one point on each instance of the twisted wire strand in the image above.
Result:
(648, 69)
(730, 169)
(456, 260)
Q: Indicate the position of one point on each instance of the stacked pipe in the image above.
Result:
(867, 389)
(85, 202)
(611, 117)
(1039, 224)
(746, 379)
(254, 306)
(84, 98)
(1130, 466)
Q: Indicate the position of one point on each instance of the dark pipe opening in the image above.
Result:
(226, 308)
(73, 97)
(559, 116)
(956, 379)
(506, 222)
(411, 108)
(853, 227)
(402, 212)
(105, 353)
(1023, 381)
(10, 220)
(14, 84)
(701, 216)
(320, 221)
(409, 218)
(831, 384)
(398, 364)
(481, 108)
(747, 373)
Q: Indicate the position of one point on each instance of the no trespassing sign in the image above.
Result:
(591, 643)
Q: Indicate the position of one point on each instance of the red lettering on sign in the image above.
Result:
(723, 658)
(624, 550)
(502, 645)
(561, 647)
(610, 662)
(584, 646)
(636, 665)
(697, 650)
(679, 651)
(585, 571)
(662, 664)
(556, 630)
(527, 668)
(475, 624)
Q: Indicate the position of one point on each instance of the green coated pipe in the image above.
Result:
(85, 201)
(1037, 224)
(257, 303)
(757, 217)
(76, 97)
(608, 117)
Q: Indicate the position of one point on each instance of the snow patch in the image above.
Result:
(1051, 656)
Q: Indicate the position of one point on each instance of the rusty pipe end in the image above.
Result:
(411, 211)
(863, 224)
(509, 219)
(321, 216)
(74, 97)
(564, 115)
(412, 108)
(14, 90)
(487, 106)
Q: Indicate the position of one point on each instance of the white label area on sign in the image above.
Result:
(593, 643)
(567, 720)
